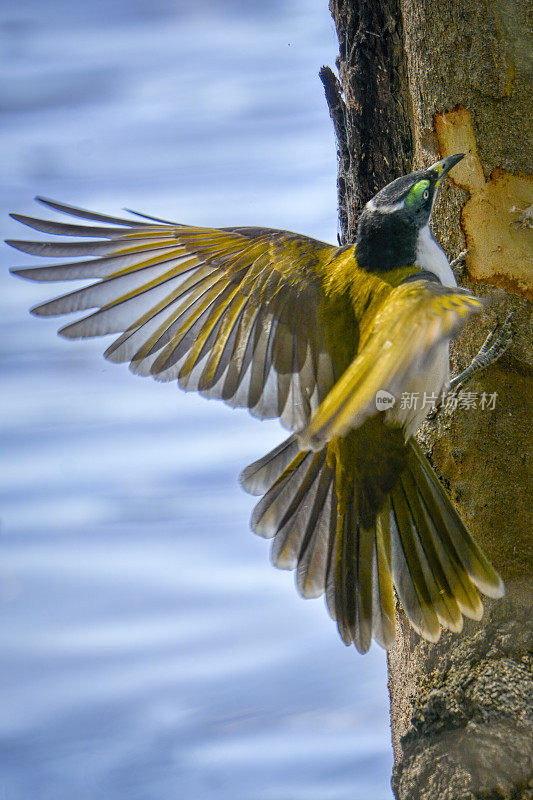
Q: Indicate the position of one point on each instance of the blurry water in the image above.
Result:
(149, 651)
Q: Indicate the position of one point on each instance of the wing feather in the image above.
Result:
(222, 349)
(83, 213)
(235, 313)
(415, 319)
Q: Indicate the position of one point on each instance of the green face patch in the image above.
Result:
(418, 194)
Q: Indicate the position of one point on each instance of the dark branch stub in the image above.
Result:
(369, 105)
(337, 112)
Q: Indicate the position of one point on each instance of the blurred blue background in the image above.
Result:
(149, 650)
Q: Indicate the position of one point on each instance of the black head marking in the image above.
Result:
(387, 231)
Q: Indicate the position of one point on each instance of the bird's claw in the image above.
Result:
(458, 263)
(498, 339)
(494, 346)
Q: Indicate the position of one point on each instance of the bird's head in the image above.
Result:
(392, 222)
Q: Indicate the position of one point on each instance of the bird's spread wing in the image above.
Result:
(233, 313)
(415, 320)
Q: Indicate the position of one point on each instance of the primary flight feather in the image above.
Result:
(298, 329)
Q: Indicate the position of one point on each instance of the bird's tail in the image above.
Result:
(413, 541)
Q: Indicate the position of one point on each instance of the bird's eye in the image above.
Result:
(425, 195)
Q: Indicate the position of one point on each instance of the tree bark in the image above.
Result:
(419, 80)
(372, 123)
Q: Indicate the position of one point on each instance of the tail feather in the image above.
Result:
(474, 561)
(271, 510)
(414, 541)
(446, 578)
(331, 574)
(362, 635)
(411, 575)
(258, 477)
(313, 564)
(277, 506)
(383, 606)
(299, 516)
(459, 579)
(345, 574)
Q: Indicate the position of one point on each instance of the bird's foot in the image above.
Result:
(458, 263)
(493, 347)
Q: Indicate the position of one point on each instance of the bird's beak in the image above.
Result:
(441, 168)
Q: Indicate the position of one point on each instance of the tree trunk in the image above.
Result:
(419, 80)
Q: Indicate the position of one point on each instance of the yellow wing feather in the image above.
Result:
(414, 319)
(236, 314)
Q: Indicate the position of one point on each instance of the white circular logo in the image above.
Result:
(384, 400)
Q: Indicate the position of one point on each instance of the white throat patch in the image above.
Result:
(431, 257)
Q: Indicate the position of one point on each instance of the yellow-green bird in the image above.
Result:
(291, 327)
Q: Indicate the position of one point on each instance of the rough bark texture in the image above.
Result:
(458, 74)
(460, 709)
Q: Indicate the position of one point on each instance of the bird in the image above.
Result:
(293, 328)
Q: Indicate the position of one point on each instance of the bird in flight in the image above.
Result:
(291, 327)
